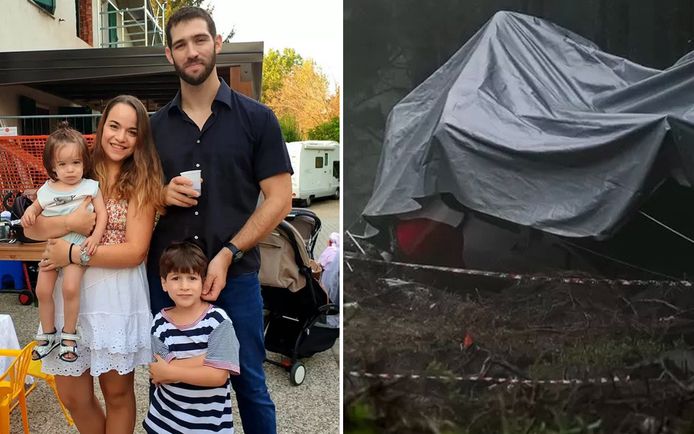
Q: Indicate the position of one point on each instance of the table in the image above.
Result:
(21, 251)
(8, 340)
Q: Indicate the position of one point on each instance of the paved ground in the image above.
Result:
(328, 211)
(313, 407)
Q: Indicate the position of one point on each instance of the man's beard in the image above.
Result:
(199, 79)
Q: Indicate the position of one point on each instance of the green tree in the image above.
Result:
(326, 131)
(290, 128)
(277, 66)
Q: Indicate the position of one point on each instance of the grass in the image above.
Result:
(360, 418)
(601, 355)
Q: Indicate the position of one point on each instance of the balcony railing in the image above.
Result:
(134, 23)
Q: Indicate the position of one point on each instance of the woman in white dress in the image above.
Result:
(114, 318)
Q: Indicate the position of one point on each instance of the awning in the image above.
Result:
(94, 75)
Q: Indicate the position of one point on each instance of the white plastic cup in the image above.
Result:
(193, 175)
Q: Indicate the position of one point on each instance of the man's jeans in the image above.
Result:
(242, 301)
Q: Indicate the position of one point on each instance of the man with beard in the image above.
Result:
(237, 144)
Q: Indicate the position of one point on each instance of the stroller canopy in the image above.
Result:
(533, 124)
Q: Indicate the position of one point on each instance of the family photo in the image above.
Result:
(356, 216)
(170, 235)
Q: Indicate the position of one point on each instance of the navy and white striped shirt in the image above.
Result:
(185, 408)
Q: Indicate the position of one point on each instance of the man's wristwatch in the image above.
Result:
(236, 253)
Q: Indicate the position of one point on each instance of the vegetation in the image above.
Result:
(276, 66)
(326, 131)
(296, 87)
(290, 129)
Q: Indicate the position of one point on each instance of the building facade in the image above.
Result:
(39, 25)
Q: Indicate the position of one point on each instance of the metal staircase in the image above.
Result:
(132, 23)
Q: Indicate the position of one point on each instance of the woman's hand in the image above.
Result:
(55, 254)
(81, 220)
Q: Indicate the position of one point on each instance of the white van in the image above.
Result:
(316, 165)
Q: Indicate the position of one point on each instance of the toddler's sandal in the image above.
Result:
(68, 353)
(49, 344)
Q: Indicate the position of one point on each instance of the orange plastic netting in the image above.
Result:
(21, 162)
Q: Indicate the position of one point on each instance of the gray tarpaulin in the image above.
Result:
(533, 124)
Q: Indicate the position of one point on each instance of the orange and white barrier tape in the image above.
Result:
(528, 277)
(489, 380)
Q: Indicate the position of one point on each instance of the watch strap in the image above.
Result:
(236, 253)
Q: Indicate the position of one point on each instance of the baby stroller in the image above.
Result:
(294, 302)
(307, 223)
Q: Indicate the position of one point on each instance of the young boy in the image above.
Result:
(195, 348)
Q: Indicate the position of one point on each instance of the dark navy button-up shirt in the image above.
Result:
(240, 145)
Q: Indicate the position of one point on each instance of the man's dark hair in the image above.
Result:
(188, 13)
(182, 257)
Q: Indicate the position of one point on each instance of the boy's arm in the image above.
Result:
(190, 362)
(160, 348)
(223, 348)
(211, 369)
(207, 376)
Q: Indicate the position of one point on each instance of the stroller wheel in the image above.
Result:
(297, 373)
(26, 297)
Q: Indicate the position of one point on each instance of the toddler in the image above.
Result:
(66, 159)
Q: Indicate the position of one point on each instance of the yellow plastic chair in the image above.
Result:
(35, 371)
(12, 390)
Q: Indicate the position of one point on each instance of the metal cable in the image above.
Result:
(619, 261)
(667, 227)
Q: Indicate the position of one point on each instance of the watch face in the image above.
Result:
(84, 257)
(236, 254)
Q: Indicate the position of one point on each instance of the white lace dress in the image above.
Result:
(114, 320)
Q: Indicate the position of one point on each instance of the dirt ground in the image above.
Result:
(585, 358)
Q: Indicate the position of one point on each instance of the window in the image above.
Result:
(112, 27)
(336, 169)
(78, 19)
(83, 19)
(319, 162)
(33, 126)
(46, 5)
(84, 125)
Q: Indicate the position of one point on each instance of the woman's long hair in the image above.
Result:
(141, 177)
